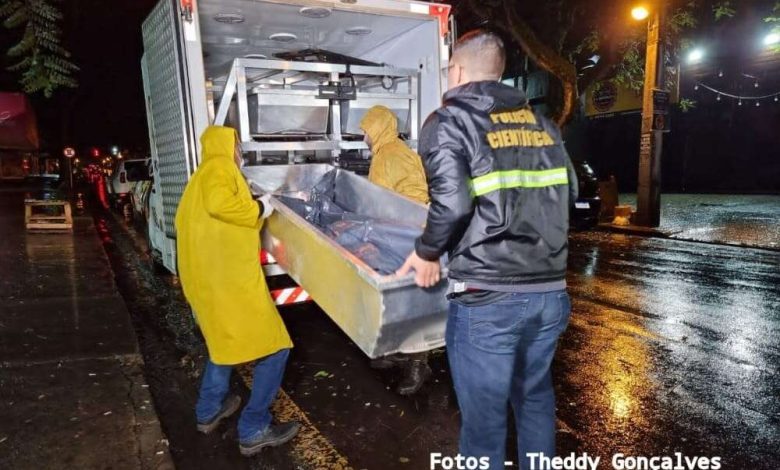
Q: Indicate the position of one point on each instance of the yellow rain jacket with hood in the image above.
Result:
(393, 165)
(218, 239)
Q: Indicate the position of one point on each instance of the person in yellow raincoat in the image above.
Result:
(393, 164)
(398, 168)
(218, 239)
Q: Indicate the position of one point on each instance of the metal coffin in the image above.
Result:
(382, 315)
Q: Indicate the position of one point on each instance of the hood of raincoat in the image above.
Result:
(381, 126)
(217, 245)
(393, 164)
(218, 142)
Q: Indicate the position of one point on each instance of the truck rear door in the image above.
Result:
(170, 114)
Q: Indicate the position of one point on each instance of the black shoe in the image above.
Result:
(275, 435)
(229, 406)
(389, 362)
(415, 376)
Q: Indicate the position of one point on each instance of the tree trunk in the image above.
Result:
(550, 61)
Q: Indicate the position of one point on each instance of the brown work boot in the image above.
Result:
(229, 406)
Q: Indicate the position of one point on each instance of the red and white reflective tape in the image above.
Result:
(266, 258)
(292, 295)
(289, 296)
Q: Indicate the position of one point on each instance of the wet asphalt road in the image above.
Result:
(672, 347)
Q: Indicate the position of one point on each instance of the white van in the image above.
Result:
(124, 178)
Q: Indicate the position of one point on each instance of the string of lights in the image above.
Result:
(740, 98)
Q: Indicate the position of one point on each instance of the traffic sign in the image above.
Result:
(69, 152)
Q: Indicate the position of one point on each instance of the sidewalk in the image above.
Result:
(742, 220)
(72, 392)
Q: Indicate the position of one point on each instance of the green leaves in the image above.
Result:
(44, 64)
(27, 44)
(686, 104)
(630, 71)
(589, 44)
(775, 17)
(775, 20)
(13, 13)
(682, 20)
(723, 10)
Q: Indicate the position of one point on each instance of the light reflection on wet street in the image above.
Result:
(672, 347)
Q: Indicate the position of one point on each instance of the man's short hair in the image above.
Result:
(482, 51)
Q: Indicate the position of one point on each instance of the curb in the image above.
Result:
(638, 230)
(670, 235)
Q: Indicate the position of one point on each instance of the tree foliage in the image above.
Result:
(723, 10)
(40, 60)
(774, 19)
(562, 36)
(686, 104)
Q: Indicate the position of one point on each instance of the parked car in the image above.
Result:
(586, 209)
(139, 198)
(124, 178)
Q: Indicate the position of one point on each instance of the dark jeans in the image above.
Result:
(256, 416)
(500, 354)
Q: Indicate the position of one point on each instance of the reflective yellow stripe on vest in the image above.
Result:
(510, 179)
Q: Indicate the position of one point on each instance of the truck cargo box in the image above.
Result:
(294, 77)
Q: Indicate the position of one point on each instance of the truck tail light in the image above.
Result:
(186, 10)
(442, 12)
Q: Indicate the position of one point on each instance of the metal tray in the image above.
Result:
(281, 112)
(382, 315)
(352, 113)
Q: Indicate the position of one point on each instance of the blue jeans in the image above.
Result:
(256, 416)
(500, 354)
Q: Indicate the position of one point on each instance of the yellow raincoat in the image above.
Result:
(218, 239)
(393, 165)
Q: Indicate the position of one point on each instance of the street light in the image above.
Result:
(655, 108)
(695, 56)
(640, 13)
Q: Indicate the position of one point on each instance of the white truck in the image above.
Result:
(294, 78)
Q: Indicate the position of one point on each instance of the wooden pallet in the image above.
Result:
(47, 222)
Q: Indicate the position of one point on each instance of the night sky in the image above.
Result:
(108, 107)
